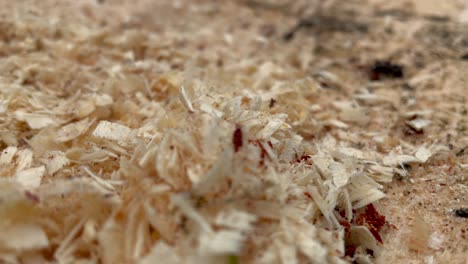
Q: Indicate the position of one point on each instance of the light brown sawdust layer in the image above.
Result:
(135, 131)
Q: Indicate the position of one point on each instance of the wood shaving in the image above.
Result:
(54, 161)
(360, 236)
(113, 131)
(35, 121)
(419, 124)
(30, 178)
(73, 130)
(8, 154)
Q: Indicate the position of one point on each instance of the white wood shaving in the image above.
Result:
(30, 178)
(54, 161)
(64, 247)
(103, 99)
(423, 154)
(395, 160)
(321, 203)
(363, 191)
(98, 179)
(191, 213)
(185, 100)
(336, 123)
(340, 175)
(35, 121)
(7, 155)
(209, 109)
(348, 205)
(421, 113)
(436, 241)
(419, 124)
(113, 131)
(361, 236)
(235, 219)
(73, 130)
(269, 129)
(24, 159)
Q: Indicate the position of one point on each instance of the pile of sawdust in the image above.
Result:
(130, 137)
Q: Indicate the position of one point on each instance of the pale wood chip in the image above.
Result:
(30, 178)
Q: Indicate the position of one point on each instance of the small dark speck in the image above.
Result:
(381, 69)
(461, 152)
(462, 212)
(464, 56)
(237, 138)
(108, 195)
(290, 35)
(272, 103)
(406, 166)
(32, 196)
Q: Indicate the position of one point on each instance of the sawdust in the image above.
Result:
(241, 131)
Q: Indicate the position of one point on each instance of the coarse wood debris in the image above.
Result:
(251, 131)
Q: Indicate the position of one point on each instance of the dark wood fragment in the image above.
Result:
(462, 212)
(237, 139)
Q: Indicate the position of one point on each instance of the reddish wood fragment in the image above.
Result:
(342, 213)
(31, 196)
(350, 251)
(374, 218)
(376, 234)
(303, 158)
(359, 220)
(270, 144)
(272, 103)
(237, 139)
(346, 226)
(374, 76)
(263, 155)
(263, 152)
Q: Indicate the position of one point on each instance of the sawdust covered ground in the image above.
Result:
(257, 45)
